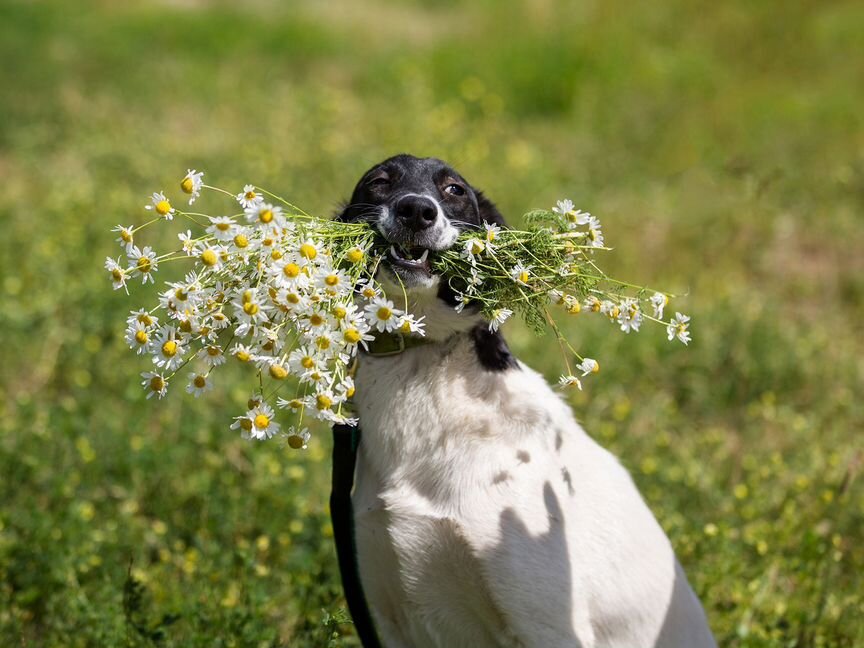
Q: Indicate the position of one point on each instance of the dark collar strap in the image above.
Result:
(346, 439)
(389, 344)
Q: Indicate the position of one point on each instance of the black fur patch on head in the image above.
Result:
(492, 350)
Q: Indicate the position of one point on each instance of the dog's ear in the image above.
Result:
(488, 211)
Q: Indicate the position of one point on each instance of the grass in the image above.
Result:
(720, 144)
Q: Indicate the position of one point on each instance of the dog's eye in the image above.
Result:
(382, 181)
(455, 190)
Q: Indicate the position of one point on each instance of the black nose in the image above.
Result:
(416, 212)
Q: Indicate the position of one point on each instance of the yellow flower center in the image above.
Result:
(323, 402)
(331, 280)
(278, 372)
(315, 319)
(322, 342)
(117, 274)
(223, 227)
(295, 404)
(144, 264)
(596, 367)
(241, 241)
(250, 195)
(384, 313)
(126, 235)
(615, 312)
(157, 384)
(185, 326)
(339, 312)
(252, 403)
(267, 242)
(316, 376)
(308, 251)
(592, 234)
(490, 235)
(276, 255)
(369, 293)
(262, 421)
(295, 441)
(242, 356)
(355, 255)
(292, 298)
(246, 424)
(145, 319)
(291, 270)
(250, 308)
(476, 247)
(181, 294)
(247, 296)
(350, 392)
(187, 185)
(213, 351)
(163, 208)
(574, 308)
(351, 336)
(595, 306)
(199, 381)
(141, 337)
(209, 258)
(265, 216)
(307, 362)
(406, 327)
(169, 348)
(523, 276)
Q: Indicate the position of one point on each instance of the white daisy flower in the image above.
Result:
(658, 301)
(473, 249)
(358, 333)
(492, 231)
(382, 314)
(297, 438)
(212, 355)
(222, 228)
(198, 385)
(242, 352)
(119, 274)
(408, 324)
(264, 214)
(520, 273)
(191, 184)
(629, 316)
(249, 197)
(138, 337)
(568, 381)
(499, 316)
(678, 327)
(346, 388)
(187, 243)
(161, 205)
(145, 262)
(263, 424)
(595, 236)
(155, 383)
(145, 317)
(168, 349)
(588, 366)
(563, 207)
(303, 360)
(126, 236)
(368, 289)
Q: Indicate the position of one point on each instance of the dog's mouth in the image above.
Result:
(410, 257)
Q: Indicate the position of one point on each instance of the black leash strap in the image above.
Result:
(345, 441)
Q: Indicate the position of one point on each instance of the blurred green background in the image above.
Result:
(722, 145)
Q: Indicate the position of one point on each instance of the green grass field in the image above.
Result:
(722, 144)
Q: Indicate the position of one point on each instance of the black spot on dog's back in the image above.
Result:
(492, 350)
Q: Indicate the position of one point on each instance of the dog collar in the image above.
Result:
(390, 344)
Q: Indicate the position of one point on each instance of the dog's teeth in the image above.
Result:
(393, 252)
(424, 256)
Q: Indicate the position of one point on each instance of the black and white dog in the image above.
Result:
(485, 515)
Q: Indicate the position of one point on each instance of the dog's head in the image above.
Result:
(419, 205)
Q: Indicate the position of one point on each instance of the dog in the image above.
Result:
(485, 515)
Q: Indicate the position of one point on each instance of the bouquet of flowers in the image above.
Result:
(294, 295)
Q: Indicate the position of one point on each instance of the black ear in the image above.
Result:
(488, 211)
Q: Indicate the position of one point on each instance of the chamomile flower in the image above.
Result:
(499, 316)
(187, 242)
(408, 324)
(658, 301)
(191, 184)
(588, 366)
(472, 249)
(678, 327)
(382, 314)
(303, 360)
(147, 318)
(119, 274)
(563, 207)
(333, 282)
(199, 384)
(138, 337)
(520, 273)
(212, 355)
(168, 349)
(568, 381)
(263, 214)
(249, 197)
(211, 256)
(264, 424)
(630, 316)
(595, 236)
(355, 334)
(297, 438)
(242, 352)
(161, 205)
(145, 261)
(492, 232)
(155, 383)
(126, 238)
(368, 289)
(222, 228)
